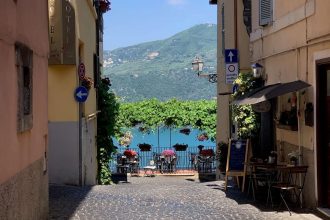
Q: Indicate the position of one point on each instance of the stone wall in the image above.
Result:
(25, 195)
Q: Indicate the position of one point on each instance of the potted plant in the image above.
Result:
(130, 153)
(104, 6)
(168, 153)
(221, 155)
(180, 147)
(87, 82)
(293, 157)
(207, 152)
(144, 147)
(185, 131)
(203, 137)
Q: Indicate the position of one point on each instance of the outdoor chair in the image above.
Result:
(151, 168)
(292, 185)
(193, 161)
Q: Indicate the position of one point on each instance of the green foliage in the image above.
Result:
(150, 114)
(136, 76)
(247, 120)
(109, 108)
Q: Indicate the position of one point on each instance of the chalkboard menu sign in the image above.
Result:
(236, 160)
(237, 155)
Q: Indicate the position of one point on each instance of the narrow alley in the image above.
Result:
(159, 197)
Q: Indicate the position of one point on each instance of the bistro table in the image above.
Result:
(284, 177)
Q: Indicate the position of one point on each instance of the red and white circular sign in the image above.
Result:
(81, 70)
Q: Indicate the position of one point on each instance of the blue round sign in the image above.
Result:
(81, 94)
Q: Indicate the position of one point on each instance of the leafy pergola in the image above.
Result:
(150, 114)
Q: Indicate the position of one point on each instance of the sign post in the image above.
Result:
(231, 64)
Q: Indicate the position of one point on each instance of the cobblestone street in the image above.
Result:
(158, 198)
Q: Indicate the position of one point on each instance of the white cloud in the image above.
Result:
(176, 2)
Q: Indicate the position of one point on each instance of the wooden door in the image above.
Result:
(323, 134)
(327, 135)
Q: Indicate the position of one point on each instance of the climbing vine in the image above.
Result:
(149, 114)
(247, 120)
(109, 110)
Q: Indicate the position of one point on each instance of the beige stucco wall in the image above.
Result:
(288, 48)
(28, 24)
(242, 45)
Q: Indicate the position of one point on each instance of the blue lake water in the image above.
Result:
(163, 139)
(166, 138)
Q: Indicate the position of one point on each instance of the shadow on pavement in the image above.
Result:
(65, 199)
(234, 193)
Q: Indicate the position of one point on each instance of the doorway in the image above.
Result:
(323, 131)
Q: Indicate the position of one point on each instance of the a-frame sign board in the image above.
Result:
(236, 160)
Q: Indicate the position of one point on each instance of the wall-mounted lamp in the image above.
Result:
(257, 70)
(197, 65)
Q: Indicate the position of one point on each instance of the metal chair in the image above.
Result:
(293, 181)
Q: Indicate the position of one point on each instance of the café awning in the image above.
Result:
(270, 91)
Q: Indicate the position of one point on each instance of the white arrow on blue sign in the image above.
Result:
(231, 56)
(81, 94)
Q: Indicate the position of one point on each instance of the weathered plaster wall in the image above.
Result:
(23, 182)
(25, 195)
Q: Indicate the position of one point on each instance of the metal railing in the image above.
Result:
(189, 159)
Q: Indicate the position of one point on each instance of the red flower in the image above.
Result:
(130, 153)
(207, 152)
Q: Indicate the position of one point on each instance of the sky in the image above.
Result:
(131, 22)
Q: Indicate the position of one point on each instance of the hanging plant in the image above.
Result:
(185, 131)
(180, 147)
(248, 121)
(87, 82)
(105, 6)
(144, 147)
(126, 139)
(203, 137)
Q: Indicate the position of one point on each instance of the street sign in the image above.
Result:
(231, 56)
(231, 72)
(231, 61)
(81, 70)
(81, 94)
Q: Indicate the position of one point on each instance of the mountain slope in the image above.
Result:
(162, 69)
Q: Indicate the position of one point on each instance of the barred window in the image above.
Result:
(24, 61)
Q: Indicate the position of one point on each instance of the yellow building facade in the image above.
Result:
(72, 125)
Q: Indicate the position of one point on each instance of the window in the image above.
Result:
(24, 61)
(265, 12)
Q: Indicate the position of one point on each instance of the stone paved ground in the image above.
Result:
(158, 198)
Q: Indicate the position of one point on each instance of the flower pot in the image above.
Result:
(180, 147)
(145, 147)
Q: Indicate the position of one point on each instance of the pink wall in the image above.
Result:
(27, 23)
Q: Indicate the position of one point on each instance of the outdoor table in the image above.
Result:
(284, 177)
(291, 179)
(265, 172)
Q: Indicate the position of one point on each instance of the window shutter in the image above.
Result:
(265, 12)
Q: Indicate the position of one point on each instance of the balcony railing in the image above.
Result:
(189, 159)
